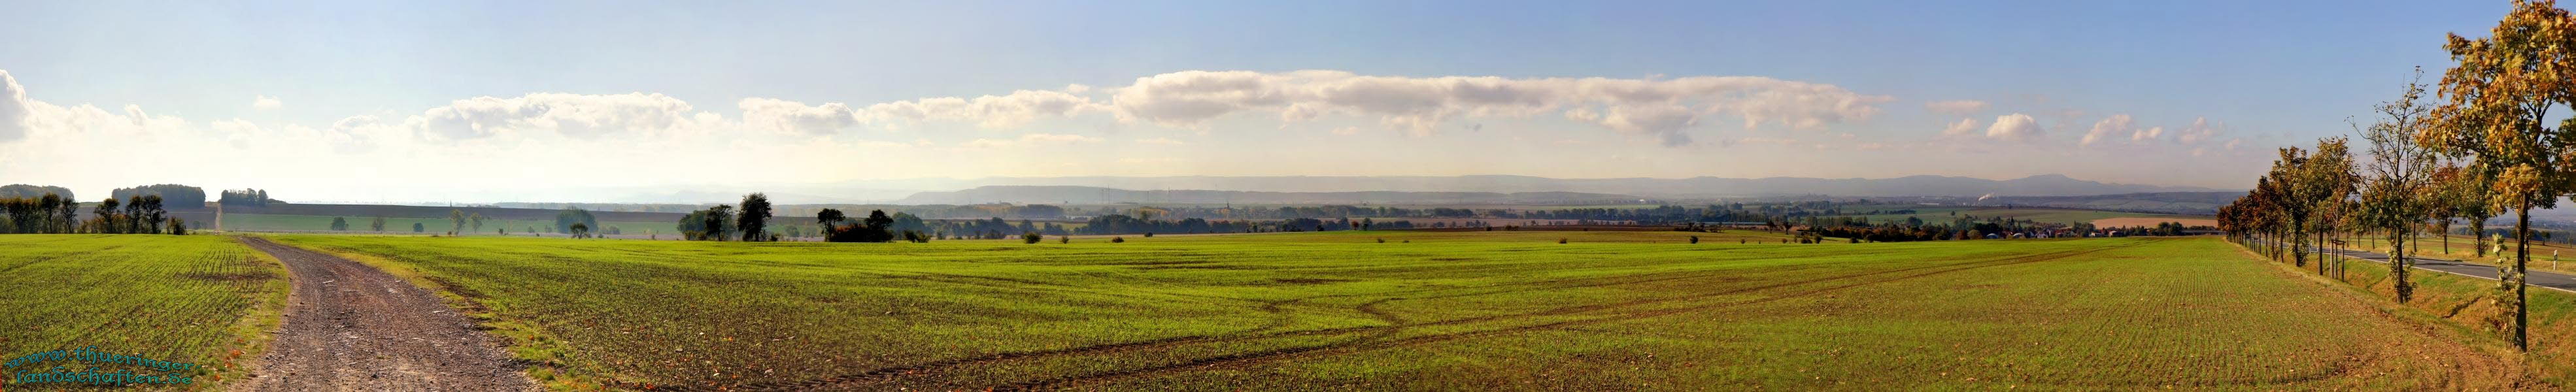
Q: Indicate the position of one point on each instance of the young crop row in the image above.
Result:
(193, 299)
(1442, 312)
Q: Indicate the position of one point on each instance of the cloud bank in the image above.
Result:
(1661, 109)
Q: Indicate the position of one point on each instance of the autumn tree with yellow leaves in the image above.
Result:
(2494, 115)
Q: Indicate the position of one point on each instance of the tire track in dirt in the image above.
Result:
(896, 373)
(351, 327)
(1285, 353)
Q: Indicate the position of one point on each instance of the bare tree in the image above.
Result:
(2396, 201)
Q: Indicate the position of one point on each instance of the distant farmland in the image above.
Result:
(1449, 310)
(317, 217)
(267, 222)
(1943, 214)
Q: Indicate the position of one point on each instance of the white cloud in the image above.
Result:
(486, 147)
(1057, 138)
(883, 144)
(1956, 107)
(1005, 111)
(2151, 133)
(1156, 160)
(2109, 127)
(490, 147)
(1030, 139)
(1161, 140)
(1649, 107)
(2015, 127)
(2200, 129)
(1658, 108)
(572, 115)
(1767, 140)
(795, 117)
(1965, 127)
(1664, 121)
(263, 102)
(13, 109)
(359, 133)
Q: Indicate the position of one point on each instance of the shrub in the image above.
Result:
(1149, 234)
(1381, 240)
(1694, 239)
(1115, 240)
(1031, 237)
(1560, 240)
(1064, 239)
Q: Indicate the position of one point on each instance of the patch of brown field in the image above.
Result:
(2151, 222)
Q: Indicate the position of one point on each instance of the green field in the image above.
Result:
(272, 222)
(2468, 304)
(196, 299)
(1427, 236)
(1448, 311)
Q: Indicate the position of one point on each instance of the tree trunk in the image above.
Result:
(2398, 265)
(2478, 232)
(2521, 255)
(2337, 265)
(2446, 237)
(2280, 245)
(2298, 237)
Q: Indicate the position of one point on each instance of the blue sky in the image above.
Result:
(2256, 75)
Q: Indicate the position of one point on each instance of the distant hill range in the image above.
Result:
(2186, 203)
(1482, 189)
(1053, 194)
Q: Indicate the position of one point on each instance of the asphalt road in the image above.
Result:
(2538, 278)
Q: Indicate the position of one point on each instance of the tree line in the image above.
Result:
(53, 214)
(724, 223)
(245, 197)
(16, 191)
(181, 196)
(2479, 143)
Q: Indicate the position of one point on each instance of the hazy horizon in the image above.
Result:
(894, 190)
(409, 103)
